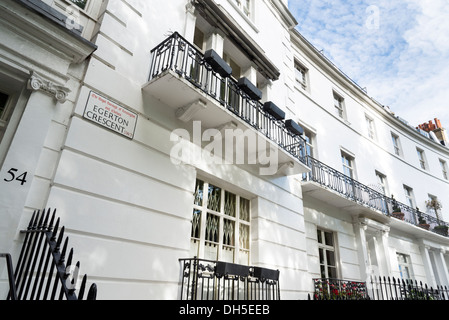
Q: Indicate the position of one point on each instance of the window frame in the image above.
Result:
(348, 163)
(323, 258)
(339, 105)
(405, 265)
(5, 112)
(246, 10)
(301, 75)
(444, 169)
(309, 136)
(382, 181)
(422, 159)
(371, 127)
(409, 196)
(237, 221)
(396, 144)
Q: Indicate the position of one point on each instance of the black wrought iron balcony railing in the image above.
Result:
(215, 280)
(377, 288)
(353, 190)
(176, 54)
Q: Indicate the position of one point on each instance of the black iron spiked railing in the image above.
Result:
(378, 288)
(386, 288)
(178, 55)
(351, 189)
(42, 271)
(215, 280)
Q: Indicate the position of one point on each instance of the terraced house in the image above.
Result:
(204, 149)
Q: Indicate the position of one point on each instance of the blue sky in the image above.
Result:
(397, 49)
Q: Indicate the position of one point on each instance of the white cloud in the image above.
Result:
(403, 62)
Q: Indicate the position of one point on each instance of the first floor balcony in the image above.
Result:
(198, 86)
(331, 186)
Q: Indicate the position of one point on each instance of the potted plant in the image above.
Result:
(441, 229)
(436, 205)
(422, 222)
(397, 213)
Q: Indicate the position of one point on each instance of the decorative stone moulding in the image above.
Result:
(217, 63)
(38, 83)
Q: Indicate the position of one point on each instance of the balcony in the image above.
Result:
(199, 88)
(333, 187)
(378, 288)
(216, 280)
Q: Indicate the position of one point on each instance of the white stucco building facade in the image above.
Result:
(111, 116)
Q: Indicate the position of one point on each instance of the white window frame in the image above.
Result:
(348, 162)
(310, 137)
(382, 181)
(422, 159)
(245, 6)
(405, 266)
(301, 75)
(199, 244)
(339, 105)
(396, 144)
(409, 196)
(323, 247)
(444, 169)
(370, 127)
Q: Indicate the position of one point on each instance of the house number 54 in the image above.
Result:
(15, 176)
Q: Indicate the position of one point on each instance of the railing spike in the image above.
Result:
(55, 230)
(30, 224)
(70, 257)
(64, 250)
(82, 288)
(92, 294)
(59, 240)
(40, 223)
(52, 221)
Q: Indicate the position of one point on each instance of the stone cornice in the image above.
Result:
(36, 23)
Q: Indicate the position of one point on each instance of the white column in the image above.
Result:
(251, 73)
(215, 41)
(189, 27)
(360, 236)
(442, 268)
(17, 172)
(427, 264)
(384, 252)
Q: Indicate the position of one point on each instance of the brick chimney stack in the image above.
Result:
(437, 128)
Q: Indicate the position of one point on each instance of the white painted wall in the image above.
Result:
(128, 209)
